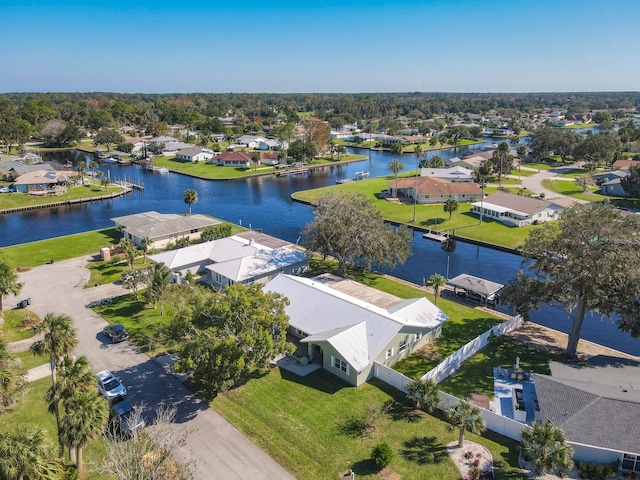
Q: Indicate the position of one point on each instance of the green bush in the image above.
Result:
(214, 232)
(382, 455)
(596, 471)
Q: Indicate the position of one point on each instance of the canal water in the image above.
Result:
(264, 203)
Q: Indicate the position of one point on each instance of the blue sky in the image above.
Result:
(320, 46)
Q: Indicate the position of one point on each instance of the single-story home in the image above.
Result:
(243, 159)
(603, 177)
(234, 259)
(516, 210)
(11, 169)
(162, 228)
(597, 406)
(613, 188)
(250, 141)
(425, 190)
(347, 335)
(195, 154)
(43, 181)
(452, 174)
(625, 164)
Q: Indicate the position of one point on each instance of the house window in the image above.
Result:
(390, 353)
(631, 462)
(402, 346)
(418, 335)
(341, 365)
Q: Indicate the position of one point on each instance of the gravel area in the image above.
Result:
(465, 457)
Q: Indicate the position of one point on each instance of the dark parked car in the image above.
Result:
(116, 332)
(124, 420)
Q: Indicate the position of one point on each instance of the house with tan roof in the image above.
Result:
(516, 210)
(347, 335)
(243, 159)
(428, 190)
(43, 181)
(625, 164)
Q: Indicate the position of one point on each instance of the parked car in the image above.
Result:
(110, 387)
(124, 420)
(116, 332)
(4, 189)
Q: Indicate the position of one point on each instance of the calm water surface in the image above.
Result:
(265, 203)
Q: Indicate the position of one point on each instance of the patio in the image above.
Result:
(510, 389)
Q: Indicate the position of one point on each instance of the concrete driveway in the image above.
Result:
(214, 448)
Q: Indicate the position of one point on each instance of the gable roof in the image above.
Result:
(43, 177)
(519, 203)
(324, 313)
(350, 341)
(191, 151)
(476, 284)
(625, 164)
(446, 173)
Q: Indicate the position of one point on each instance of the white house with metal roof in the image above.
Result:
(234, 259)
(516, 210)
(347, 335)
(452, 174)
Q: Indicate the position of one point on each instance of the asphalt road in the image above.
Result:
(214, 449)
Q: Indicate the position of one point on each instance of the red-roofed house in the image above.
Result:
(426, 190)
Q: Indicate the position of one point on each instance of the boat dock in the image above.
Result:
(130, 185)
(293, 169)
(356, 176)
(436, 235)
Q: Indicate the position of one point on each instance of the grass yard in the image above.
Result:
(538, 165)
(29, 360)
(144, 323)
(523, 172)
(32, 254)
(476, 374)
(300, 422)
(11, 327)
(218, 172)
(33, 411)
(102, 272)
(572, 189)
(463, 223)
(15, 200)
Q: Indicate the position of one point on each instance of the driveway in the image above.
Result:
(214, 448)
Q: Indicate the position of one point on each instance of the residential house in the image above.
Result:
(11, 169)
(195, 154)
(452, 174)
(244, 159)
(347, 335)
(162, 228)
(625, 164)
(603, 177)
(234, 259)
(250, 141)
(613, 188)
(516, 210)
(272, 144)
(597, 406)
(40, 182)
(171, 149)
(428, 190)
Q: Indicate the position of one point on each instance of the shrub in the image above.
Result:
(382, 455)
(596, 471)
(214, 232)
(116, 259)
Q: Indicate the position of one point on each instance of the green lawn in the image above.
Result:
(102, 272)
(538, 165)
(218, 172)
(32, 254)
(577, 126)
(299, 421)
(33, 411)
(464, 324)
(476, 373)
(572, 189)
(15, 200)
(29, 360)
(11, 330)
(462, 223)
(146, 325)
(523, 172)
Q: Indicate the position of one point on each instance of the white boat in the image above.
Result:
(110, 160)
(163, 170)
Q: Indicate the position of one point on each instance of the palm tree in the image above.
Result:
(341, 150)
(424, 393)
(465, 416)
(105, 182)
(8, 283)
(59, 341)
(27, 453)
(546, 445)
(500, 156)
(86, 416)
(419, 153)
(255, 159)
(450, 206)
(395, 166)
(81, 167)
(11, 381)
(437, 282)
(190, 197)
(484, 170)
(146, 242)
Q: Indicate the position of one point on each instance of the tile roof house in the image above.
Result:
(243, 159)
(43, 181)
(347, 335)
(597, 406)
(516, 210)
(425, 190)
(12, 169)
(234, 259)
(624, 164)
(162, 228)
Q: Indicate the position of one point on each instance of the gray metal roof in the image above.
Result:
(478, 285)
(156, 225)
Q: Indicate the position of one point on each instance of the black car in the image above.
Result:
(116, 332)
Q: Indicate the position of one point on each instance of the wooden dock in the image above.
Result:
(437, 235)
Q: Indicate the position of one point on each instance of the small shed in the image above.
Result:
(475, 287)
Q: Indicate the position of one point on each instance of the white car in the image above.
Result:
(110, 387)
(4, 189)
